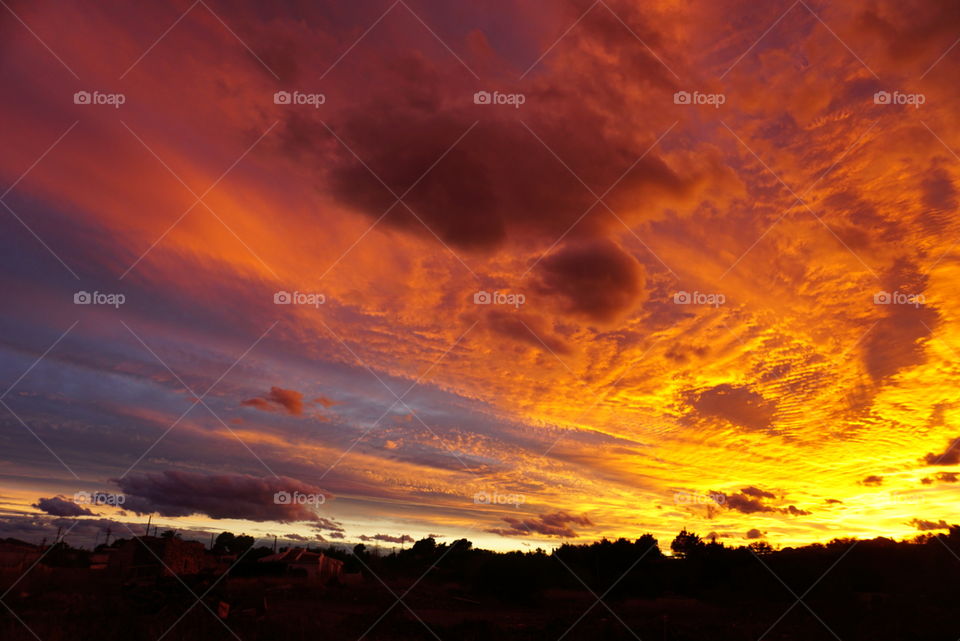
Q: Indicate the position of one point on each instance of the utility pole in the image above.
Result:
(149, 518)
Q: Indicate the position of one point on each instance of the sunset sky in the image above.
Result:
(723, 237)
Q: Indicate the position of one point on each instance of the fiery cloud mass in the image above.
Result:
(523, 273)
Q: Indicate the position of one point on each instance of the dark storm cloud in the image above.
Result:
(873, 480)
(553, 524)
(61, 506)
(738, 404)
(950, 456)
(753, 534)
(750, 500)
(925, 526)
(897, 340)
(594, 279)
(943, 477)
(219, 496)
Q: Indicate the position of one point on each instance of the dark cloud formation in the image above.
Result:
(750, 500)
(738, 404)
(753, 534)
(387, 538)
(278, 400)
(61, 506)
(553, 524)
(834, 501)
(758, 493)
(898, 339)
(873, 481)
(943, 477)
(595, 279)
(219, 496)
(950, 456)
(532, 330)
(925, 526)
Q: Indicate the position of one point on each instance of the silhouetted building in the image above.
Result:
(316, 566)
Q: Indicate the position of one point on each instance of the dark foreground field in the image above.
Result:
(848, 590)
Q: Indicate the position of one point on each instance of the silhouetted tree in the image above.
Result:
(686, 544)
